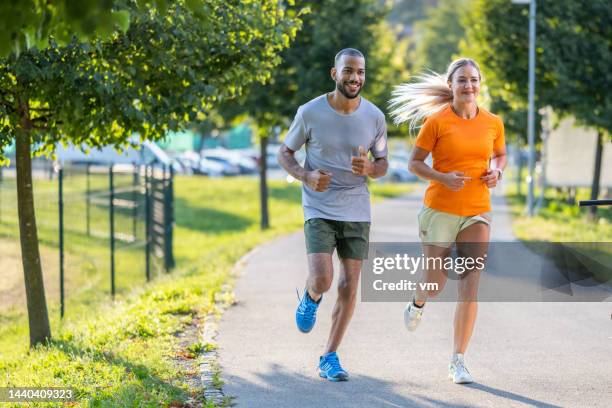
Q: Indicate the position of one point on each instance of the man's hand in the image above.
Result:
(491, 178)
(318, 179)
(455, 180)
(361, 165)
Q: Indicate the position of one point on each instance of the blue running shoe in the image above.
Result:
(330, 368)
(306, 313)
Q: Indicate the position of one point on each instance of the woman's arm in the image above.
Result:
(494, 174)
(454, 180)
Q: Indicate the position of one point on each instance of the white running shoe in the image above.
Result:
(412, 316)
(458, 372)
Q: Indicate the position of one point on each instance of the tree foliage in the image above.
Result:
(97, 88)
(438, 36)
(404, 13)
(573, 55)
(327, 27)
(162, 72)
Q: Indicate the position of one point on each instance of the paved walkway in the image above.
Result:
(521, 354)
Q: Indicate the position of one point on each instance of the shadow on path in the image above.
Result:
(511, 396)
(277, 386)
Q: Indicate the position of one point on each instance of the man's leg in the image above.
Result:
(319, 280)
(348, 281)
(352, 247)
(320, 274)
(320, 244)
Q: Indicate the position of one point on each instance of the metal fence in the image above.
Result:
(108, 228)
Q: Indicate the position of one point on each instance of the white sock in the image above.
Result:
(457, 357)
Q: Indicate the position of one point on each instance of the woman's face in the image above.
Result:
(465, 84)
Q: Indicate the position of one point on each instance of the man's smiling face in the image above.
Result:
(349, 74)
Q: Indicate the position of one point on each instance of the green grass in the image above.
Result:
(557, 220)
(87, 257)
(123, 353)
(560, 221)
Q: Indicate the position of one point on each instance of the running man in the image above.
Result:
(462, 138)
(338, 129)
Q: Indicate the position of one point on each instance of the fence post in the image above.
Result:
(1, 192)
(169, 206)
(61, 238)
(147, 223)
(112, 228)
(135, 187)
(88, 198)
(166, 218)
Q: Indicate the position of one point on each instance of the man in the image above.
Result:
(338, 129)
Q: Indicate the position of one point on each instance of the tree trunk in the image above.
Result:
(596, 175)
(40, 330)
(263, 182)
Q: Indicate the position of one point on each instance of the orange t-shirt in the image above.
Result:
(458, 144)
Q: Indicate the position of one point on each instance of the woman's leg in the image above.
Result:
(472, 242)
(434, 274)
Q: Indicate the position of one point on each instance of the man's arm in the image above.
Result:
(318, 180)
(379, 167)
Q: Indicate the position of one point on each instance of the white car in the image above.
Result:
(244, 163)
(210, 168)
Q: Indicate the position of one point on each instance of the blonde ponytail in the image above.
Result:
(413, 102)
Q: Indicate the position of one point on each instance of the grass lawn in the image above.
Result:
(556, 220)
(123, 352)
(559, 221)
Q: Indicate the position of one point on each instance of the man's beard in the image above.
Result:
(341, 88)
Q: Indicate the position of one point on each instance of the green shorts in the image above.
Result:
(350, 237)
(441, 228)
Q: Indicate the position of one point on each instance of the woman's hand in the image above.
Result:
(455, 180)
(491, 178)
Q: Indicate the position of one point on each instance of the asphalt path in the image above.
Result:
(537, 353)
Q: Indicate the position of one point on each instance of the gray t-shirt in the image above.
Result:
(331, 139)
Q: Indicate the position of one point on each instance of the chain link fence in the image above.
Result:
(102, 229)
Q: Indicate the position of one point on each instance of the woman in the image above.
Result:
(462, 138)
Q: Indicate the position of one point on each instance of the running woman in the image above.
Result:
(462, 138)
(338, 129)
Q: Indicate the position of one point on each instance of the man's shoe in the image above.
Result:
(412, 316)
(306, 313)
(458, 372)
(330, 368)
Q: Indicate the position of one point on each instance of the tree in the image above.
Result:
(438, 36)
(165, 70)
(574, 50)
(327, 27)
(404, 13)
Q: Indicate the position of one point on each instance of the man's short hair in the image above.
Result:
(351, 52)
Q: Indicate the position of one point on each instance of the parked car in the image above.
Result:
(229, 168)
(212, 168)
(146, 152)
(194, 164)
(272, 161)
(245, 164)
(398, 172)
